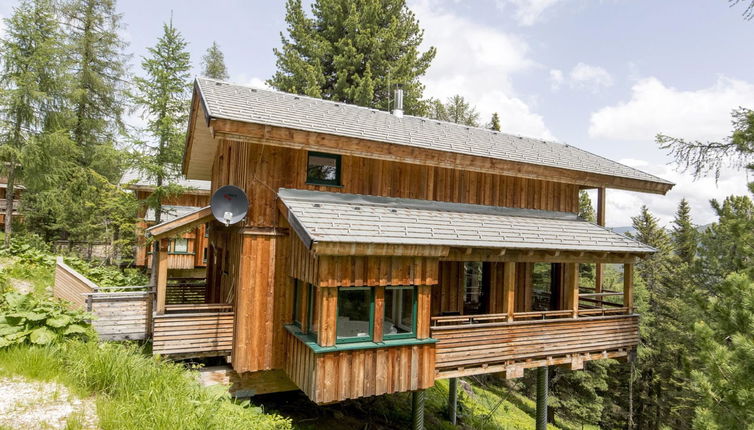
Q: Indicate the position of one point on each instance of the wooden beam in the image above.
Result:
(162, 275)
(598, 275)
(509, 289)
(180, 225)
(379, 313)
(571, 280)
(379, 249)
(328, 316)
(540, 256)
(628, 287)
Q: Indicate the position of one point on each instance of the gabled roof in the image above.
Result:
(170, 212)
(180, 224)
(222, 100)
(351, 218)
(134, 180)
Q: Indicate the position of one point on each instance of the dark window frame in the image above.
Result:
(332, 183)
(355, 339)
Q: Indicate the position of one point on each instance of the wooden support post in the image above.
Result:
(453, 400)
(162, 275)
(379, 313)
(571, 281)
(417, 410)
(509, 289)
(328, 315)
(599, 274)
(628, 287)
(542, 388)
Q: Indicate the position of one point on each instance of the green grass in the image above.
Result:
(133, 390)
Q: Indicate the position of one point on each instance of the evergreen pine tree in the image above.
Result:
(32, 86)
(354, 51)
(456, 109)
(98, 90)
(213, 63)
(684, 234)
(495, 122)
(162, 96)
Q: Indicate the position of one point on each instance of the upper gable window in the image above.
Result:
(323, 169)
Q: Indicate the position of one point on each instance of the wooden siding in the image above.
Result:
(476, 348)
(261, 170)
(358, 271)
(336, 376)
(70, 285)
(121, 315)
(209, 333)
(303, 263)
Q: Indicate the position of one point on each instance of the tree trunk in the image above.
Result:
(9, 192)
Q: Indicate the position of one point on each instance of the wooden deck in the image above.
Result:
(488, 343)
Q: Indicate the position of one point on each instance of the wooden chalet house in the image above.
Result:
(382, 252)
(187, 254)
(18, 190)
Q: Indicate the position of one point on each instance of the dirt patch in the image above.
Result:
(23, 287)
(43, 405)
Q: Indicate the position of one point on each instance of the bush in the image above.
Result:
(107, 276)
(26, 319)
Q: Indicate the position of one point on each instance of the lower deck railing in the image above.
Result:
(489, 343)
(193, 334)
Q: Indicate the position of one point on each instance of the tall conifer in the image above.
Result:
(213, 63)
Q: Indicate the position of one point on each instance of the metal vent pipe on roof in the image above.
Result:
(398, 111)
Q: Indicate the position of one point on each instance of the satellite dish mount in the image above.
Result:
(229, 204)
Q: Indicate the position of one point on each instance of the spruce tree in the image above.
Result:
(495, 122)
(354, 51)
(455, 109)
(31, 88)
(98, 85)
(163, 98)
(684, 234)
(213, 63)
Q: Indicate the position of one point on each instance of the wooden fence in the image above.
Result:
(193, 334)
(120, 313)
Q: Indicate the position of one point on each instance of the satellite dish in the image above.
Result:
(229, 204)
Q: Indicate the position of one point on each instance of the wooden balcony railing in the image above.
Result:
(470, 345)
(193, 334)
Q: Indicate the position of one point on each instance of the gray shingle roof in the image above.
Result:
(133, 178)
(242, 103)
(170, 213)
(336, 217)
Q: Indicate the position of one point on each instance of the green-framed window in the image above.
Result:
(323, 169)
(178, 246)
(312, 311)
(355, 315)
(298, 302)
(400, 312)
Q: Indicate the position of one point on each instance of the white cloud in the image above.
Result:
(528, 12)
(582, 76)
(477, 62)
(622, 205)
(702, 114)
(252, 81)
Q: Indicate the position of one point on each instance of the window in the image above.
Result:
(298, 301)
(400, 312)
(355, 310)
(323, 169)
(313, 311)
(180, 246)
(204, 256)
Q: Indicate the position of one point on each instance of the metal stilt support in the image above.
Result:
(453, 400)
(542, 398)
(417, 410)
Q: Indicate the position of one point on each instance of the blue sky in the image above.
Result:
(605, 76)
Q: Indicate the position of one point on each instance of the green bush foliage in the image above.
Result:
(25, 319)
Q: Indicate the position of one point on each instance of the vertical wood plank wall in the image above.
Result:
(261, 170)
(335, 376)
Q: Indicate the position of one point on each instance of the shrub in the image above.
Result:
(27, 319)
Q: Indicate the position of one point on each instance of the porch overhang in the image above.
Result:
(180, 224)
(350, 224)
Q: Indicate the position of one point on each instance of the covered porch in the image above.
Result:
(192, 317)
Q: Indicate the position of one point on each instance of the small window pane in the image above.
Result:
(399, 311)
(314, 298)
(298, 296)
(323, 169)
(354, 309)
(180, 245)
